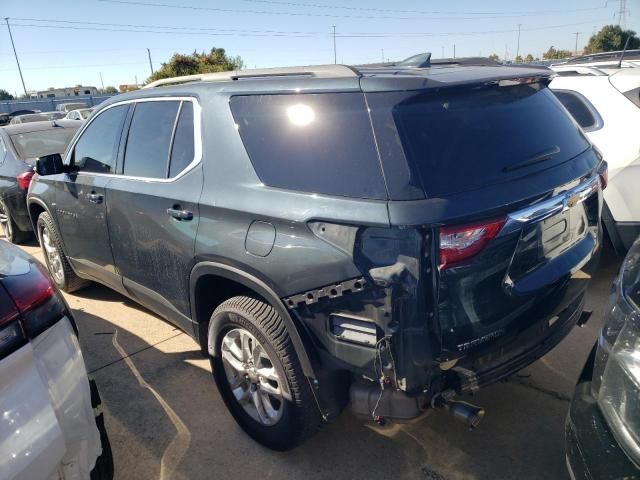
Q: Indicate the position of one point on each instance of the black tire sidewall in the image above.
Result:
(282, 435)
(45, 221)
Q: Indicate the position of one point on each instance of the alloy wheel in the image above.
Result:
(252, 376)
(5, 222)
(53, 256)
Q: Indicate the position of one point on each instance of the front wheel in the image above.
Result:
(259, 374)
(59, 268)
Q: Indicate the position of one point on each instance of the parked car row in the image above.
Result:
(62, 111)
(384, 237)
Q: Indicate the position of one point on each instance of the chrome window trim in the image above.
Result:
(599, 122)
(552, 206)
(197, 138)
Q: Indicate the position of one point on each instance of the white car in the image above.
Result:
(50, 425)
(79, 114)
(606, 104)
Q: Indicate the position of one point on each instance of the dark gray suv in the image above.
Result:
(388, 237)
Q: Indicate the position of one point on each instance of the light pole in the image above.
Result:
(518, 46)
(576, 50)
(335, 56)
(150, 64)
(16, 55)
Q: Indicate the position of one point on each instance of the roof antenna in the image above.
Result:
(624, 50)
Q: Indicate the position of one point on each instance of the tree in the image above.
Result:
(518, 59)
(494, 56)
(611, 38)
(110, 89)
(4, 95)
(553, 54)
(179, 65)
(529, 58)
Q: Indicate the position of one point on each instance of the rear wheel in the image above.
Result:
(9, 228)
(59, 268)
(259, 375)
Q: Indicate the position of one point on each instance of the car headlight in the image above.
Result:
(616, 379)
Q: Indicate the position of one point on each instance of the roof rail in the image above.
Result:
(576, 70)
(470, 61)
(315, 71)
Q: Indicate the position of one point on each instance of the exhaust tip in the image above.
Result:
(466, 413)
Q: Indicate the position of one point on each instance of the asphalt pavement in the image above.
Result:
(166, 419)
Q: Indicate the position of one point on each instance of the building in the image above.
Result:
(77, 91)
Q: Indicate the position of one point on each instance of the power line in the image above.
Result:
(158, 29)
(302, 14)
(388, 10)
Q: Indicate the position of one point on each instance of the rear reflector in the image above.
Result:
(461, 242)
(24, 179)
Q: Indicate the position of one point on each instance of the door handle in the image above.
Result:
(95, 197)
(180, 214)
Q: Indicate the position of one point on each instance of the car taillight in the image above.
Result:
(12, 336)
(24, 179)
(603, 173)
(461, 242)
(31, 307)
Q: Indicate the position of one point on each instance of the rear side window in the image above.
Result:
(96, 149)
(461, 139)
(182, 151)
(319, 143)
(579, 108)
(149, 140)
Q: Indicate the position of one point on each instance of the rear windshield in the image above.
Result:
(31, 145)
(461, 140)
(318, 143)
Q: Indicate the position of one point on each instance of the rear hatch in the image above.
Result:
(511, 201)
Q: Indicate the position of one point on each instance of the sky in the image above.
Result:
(63, 43)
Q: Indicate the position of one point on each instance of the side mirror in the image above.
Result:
(49, 165)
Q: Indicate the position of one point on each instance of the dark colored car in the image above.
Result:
(603, 426)
(387, 237)
(20, 146)
(51, 424)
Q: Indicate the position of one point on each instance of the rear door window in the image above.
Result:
(183, 151)
(580, 109)
(96, 149)
(318, 143)
(461, 139)
(149, 140)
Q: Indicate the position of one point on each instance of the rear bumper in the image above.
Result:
(45, 394)
(591, 448)
(16, 200)
(530, 345)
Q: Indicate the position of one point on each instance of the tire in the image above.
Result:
(58, 265)
(296, 416)
(9, 228)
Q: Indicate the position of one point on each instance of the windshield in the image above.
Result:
(31, 145)
(462, 139)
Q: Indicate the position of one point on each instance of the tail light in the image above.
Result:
(461, 242)
(28, 306)
(24, 179)
(603, 173)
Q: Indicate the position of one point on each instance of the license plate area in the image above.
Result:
(563, 230)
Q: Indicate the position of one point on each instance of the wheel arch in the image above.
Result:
(36, 207)
(250, 284)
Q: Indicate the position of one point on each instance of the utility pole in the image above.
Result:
(442, 52)
(136, 77)
(518, 46)
(16, 55)
(335, 56)
(454, 50)
(506, 52)
(576, 50)
(383, 55)
(622, 14)
(101, 81)
(150, 63)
